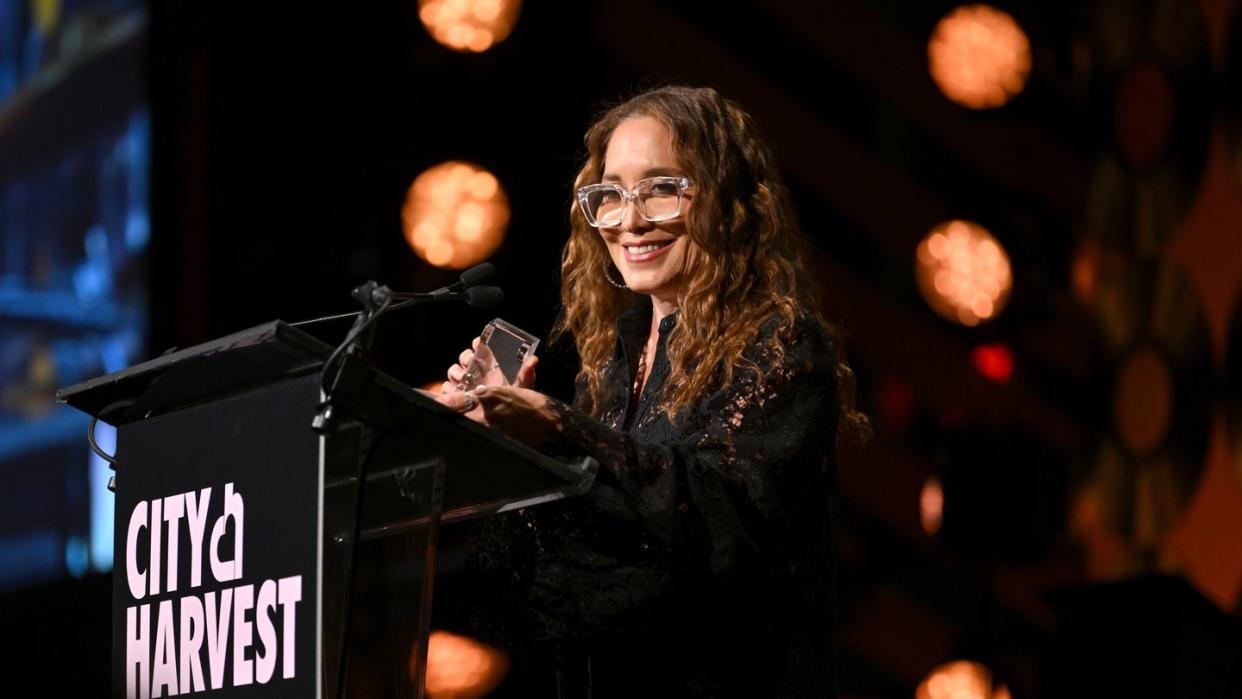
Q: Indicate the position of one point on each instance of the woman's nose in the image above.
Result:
(631, 220)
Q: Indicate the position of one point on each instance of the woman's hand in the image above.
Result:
(521, 413)
(517, 410)
(492, 377)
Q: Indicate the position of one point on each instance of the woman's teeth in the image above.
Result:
(644, 249)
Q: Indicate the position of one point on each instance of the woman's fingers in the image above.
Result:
(453, 400)
(457, 371)
(463, 402)
(523, 414)
(467, 355)
(526, 375)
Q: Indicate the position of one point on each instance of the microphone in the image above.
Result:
(471, 277)
(485, 296)
(373, 295)
(454, 291)
(476, 274)
(376, 300)
(467, 280)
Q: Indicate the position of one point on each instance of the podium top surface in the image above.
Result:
(266, 352)
(491, 471)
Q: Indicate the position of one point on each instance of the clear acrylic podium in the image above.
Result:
(239, 529)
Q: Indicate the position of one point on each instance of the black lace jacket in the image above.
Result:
(701, 562)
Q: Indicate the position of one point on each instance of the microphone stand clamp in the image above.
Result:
(343, 364)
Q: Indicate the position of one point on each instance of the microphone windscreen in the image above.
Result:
(485, 296)
(476, 274)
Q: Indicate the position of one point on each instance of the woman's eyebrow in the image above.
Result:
(658, 171)
(650, 172)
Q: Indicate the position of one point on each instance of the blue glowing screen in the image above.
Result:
(74, 228)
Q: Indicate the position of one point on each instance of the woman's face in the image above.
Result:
(650, 256)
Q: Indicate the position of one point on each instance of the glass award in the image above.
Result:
(502, 349)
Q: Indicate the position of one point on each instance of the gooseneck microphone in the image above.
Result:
(457, 291)
(377, 299)
(372, 294)
(485, 296)
(476, 274)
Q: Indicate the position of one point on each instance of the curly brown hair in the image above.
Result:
(743, 269)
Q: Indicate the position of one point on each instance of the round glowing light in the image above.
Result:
(459, 667)
(963, 272)
(979, 56)
(931, 505)
(469, 25)
(994, 362)
(455, 215)
(961, 679)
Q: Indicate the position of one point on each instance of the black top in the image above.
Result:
(701, 563)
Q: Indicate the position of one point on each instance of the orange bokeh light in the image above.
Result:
(963, 272)
(961, 679)
(455, 215)
(979, 56)
(459, 667)
(469, 25)
(931, 505)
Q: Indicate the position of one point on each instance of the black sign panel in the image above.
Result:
(216, 577)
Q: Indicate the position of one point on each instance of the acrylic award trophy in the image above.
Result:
(498, 358)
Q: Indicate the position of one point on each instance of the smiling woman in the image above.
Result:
(647, 241)
(711, 393)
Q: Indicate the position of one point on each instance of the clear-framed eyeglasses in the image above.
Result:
(657, 199)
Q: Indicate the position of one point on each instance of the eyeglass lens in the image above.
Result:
(657, 200)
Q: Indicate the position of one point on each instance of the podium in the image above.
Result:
(239, 528)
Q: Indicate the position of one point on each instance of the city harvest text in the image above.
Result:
(168, 659)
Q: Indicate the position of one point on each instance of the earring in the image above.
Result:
(608, 275)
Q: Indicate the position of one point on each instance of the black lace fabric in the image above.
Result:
(701, 563)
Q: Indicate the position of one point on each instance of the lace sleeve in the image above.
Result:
(736, 483)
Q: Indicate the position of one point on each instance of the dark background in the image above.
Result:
(284, 137)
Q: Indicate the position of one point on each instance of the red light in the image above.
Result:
(896, 401)
(994, 362)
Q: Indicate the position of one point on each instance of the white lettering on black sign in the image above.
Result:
(165, 640)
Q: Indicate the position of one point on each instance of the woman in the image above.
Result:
(700, 563)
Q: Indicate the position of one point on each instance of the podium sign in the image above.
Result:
(238, 527)
(218, 557)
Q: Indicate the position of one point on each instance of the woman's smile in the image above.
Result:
(646, 251)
